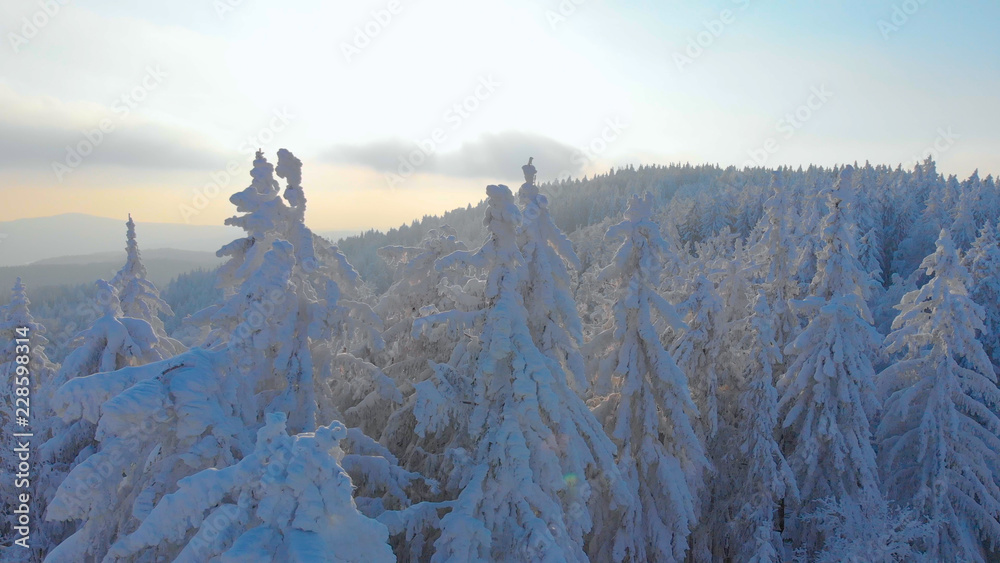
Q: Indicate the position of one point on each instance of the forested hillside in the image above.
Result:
(679, 363)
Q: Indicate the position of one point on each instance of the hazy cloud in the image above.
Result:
(497, 155)
(134, 146)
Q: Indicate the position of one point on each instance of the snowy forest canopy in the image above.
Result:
(665, 364)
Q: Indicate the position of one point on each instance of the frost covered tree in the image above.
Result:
(734, 279)
(939, 449)
(113, 341)
(23, 339)
(14, 316)
(933, 213)
(271, 347)
(827, 393)
(529, 453)
(983, 262)
(877, 533)
(774, 253)
(289, 500)
(139, 297)
(297, 294)
(757, 483)
(648, 412)
(711, 353)
(885, 307)
(278, 338)
(869, 253)
(807, 240)
(155, 424)
(963, 230)
(420, 290)
(556, 324)
(698, 349)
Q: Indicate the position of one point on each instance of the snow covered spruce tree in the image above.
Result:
(698, 349)
(139, 297)
(648, 413)
(774, 253)
(807, 240)
(308, 285)
(410, 355)
(963, 229)
(711, 352)
(114, 341)
(935, 200)
(557, 328)
(879, 532)
(274, 346)
(939, 449)
(528, 453)
(983, 262)
(290, 500)
(419, 290)
(757, 479)
(827, 393)
(23, 339)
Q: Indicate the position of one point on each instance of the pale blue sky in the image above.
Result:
(554, 85)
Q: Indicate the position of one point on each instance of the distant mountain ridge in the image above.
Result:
(28, 241)
(85, 239)
(156, 254)
(162, 265)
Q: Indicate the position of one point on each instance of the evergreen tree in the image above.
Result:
(963, 229)
(556, 322)
(698, 349)
(869, 255)
(649, 413)
(27, 374)
(139, 297)
(983, 262)
(421, 290)
(114, 341)
(938, 436)
(876, 533)
(827, 393)
(774, 253)
(529, 450)
(278, 339)
(759, 481)
(290, 500)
